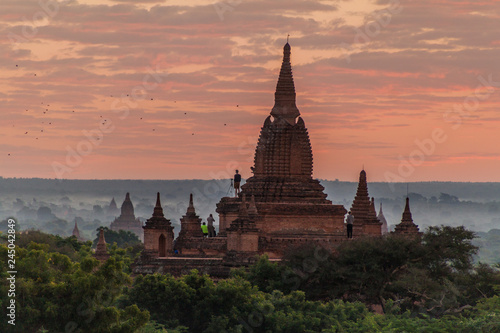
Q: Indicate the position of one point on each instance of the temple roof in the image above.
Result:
(158, 220)
(127, 207)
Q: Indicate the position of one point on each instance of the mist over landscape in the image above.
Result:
(53, 206)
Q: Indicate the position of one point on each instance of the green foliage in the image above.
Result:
(59, 294)
(122, 238)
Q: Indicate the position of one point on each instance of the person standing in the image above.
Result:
(211, 229)
(349, 221)
(237, 181)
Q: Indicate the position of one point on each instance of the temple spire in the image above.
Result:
(191, 205)
(406, 226)
(407, 213)
(158, 210)
(284, 97)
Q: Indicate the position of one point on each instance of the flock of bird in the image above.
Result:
(73, 111)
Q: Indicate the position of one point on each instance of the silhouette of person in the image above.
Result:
(237, 181)
(349, 221)
(211, 229)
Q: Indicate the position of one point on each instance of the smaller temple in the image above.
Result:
(158, 234)
(76, 233)
(101, 253)
(190, 236)
(112, 209)
(363, 210)
(127, 221)
(382, 219)
(243, 235)
(406, 226)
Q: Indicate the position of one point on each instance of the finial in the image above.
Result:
(191, 205)
(288, 38)
(158, 210)
(407, 189)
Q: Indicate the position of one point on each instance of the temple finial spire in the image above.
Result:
(284, 97)
(287, 38)
(191, 209)
(158, 210)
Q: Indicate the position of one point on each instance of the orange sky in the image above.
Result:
(406, 88)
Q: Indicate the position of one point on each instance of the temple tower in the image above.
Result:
(112, 209)
(291, 205)
(383, 220)
(76, 233)
(158, 234)
(243, 235)
(363, 210)
(127, 221)
(101, 253)
(406, 226)
(190, 236)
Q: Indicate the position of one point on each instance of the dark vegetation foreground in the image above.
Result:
(387, 284)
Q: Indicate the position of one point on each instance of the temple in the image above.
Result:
(279, 208)
(76, 233)
(291, 205)
(126, 220)
(363, 210)
(406, 226)
(383, 220)
(101, 252)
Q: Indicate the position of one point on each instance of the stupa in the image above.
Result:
(76, 233)
(292, 207)
(101, 253)
(383, 220)
(406, 226)
(363, 210)
(127, 221)
(158, 234)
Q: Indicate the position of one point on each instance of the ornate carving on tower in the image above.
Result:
(158, 233)
(101, 253)
(126, 220)
(363, 210)
(406, 226)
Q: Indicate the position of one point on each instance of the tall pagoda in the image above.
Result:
(291, 205)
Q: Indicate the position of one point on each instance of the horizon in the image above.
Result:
(107, 89)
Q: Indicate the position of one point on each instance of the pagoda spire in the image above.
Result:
(284, 97)
(158, 210)
(407, 218)
(191, 209)
(101, 252)
(382, 219)
(406, 226)
(76, 232)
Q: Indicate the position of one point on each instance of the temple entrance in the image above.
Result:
(162, 246)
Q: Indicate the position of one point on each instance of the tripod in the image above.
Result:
(230, 187)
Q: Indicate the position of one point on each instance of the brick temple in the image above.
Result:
(127, 220)
(280, 207)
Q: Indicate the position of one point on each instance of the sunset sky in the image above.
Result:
(129, 89)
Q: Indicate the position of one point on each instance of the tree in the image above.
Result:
(122, 238)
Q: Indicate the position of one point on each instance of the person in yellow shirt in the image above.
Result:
(204, 228)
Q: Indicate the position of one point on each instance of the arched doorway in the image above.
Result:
(162, 246)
